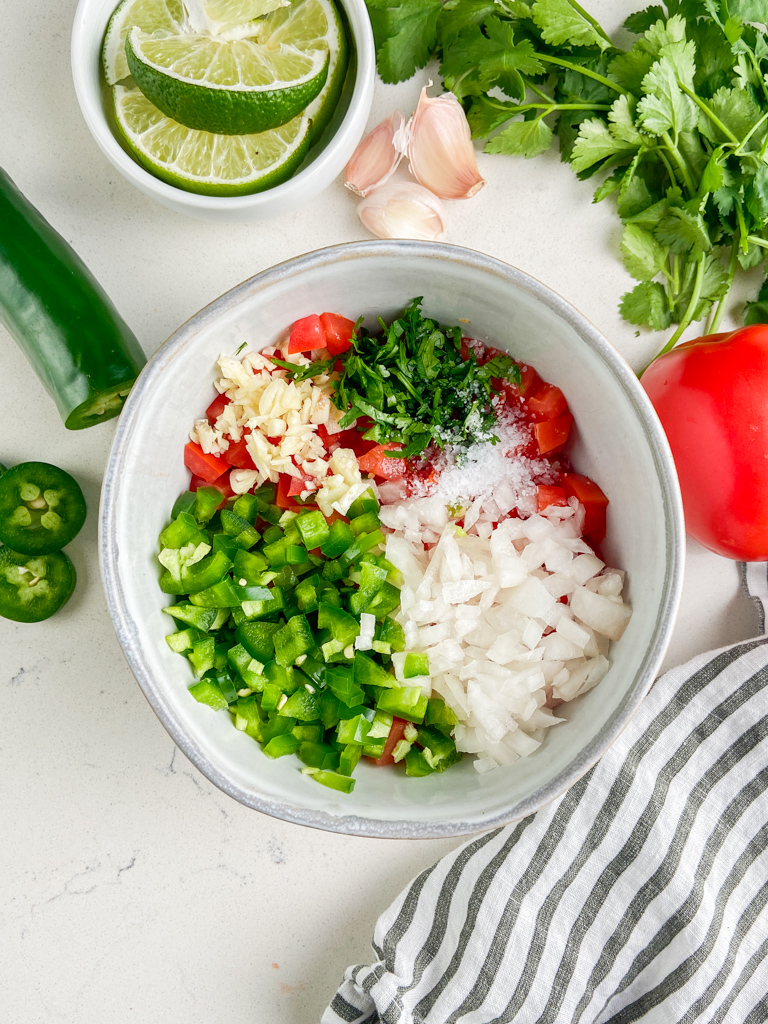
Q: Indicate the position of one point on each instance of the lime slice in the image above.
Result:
(215, 165)
(236, 12)
(231, 87)
(310, 25)
(227, 19)
(162, 16)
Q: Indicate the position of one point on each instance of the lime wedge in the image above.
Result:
(161, 16)
(230, 87)
(216, 165)
(310, 25)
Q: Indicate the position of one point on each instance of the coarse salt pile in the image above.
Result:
(504, 647)
(280, 418)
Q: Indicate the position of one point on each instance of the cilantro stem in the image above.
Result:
(712, 117)
(743, 232)
(588, 17)
(733, 264)
(740, 149)
(688, 315)
(682, 166)
(582, 71)
(756, 66)
(667, 165)
(539, 92)
(757, 241)
(549, 107)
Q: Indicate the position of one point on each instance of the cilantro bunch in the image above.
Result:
(676, 126)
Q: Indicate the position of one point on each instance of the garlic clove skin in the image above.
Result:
(403, 210)
(440, 151)
(376, 158)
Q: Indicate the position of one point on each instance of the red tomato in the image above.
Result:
(710, 395)
(338, 332)
(209, 467)
(547, 402)
(396, 733)
(222, 484)
(306, 334)
(216, 408)
(530, 381)
(376, 463)
(283, 499)
(551, 435)
(237, 454)
(594, 501)
(547, 496)
(300, 483)
(350, 438)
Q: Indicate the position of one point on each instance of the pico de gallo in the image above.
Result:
(365, 511)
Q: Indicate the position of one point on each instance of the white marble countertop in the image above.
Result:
(130, 888)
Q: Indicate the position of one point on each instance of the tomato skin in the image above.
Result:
(551, 435)
(283, 499)
(396, 733)
(546, 403)
(594, 501)
(209, 467)
(710, 396)
(351, 438)
(306, 334)
(237, 454)
(546, 496)
(338, 332)
(216, 408)
(222, 484)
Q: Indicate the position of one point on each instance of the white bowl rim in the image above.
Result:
(290, 191)
(674, 538)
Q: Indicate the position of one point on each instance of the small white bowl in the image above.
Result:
(618, 441)
(328, 160)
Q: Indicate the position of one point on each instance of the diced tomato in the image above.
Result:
(551, 435)
(529, 382)
(376, 463)
(237, 453)
(216, 408)
(547, 496)
(487, 353)
(350, 438)
(222, 484)
(594, 501)
(338, 332)
(299, 484)
(396, 733)
(306, 334)
(547, 402)
(283, 499)
(209, 467)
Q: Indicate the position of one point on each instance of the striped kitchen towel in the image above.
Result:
(638, 895)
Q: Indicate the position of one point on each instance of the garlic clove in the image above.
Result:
(403, 210)
(440, 151)
(377, 156)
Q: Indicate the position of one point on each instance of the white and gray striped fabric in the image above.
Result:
(641, 894)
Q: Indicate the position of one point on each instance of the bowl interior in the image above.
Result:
(324, 161)
(618, 442)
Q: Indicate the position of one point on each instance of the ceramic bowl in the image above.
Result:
(324, 163)
(618, 441)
